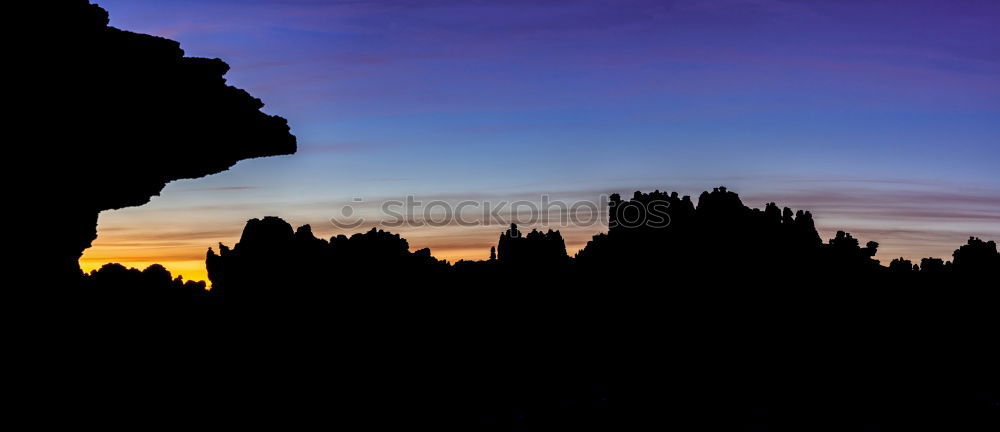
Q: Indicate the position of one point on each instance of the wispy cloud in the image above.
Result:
(343, 147)
(218, 189)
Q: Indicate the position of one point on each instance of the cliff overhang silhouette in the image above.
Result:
(118, 115)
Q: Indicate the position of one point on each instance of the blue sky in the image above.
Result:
(882, 117)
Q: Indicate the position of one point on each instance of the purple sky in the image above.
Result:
(882, 117)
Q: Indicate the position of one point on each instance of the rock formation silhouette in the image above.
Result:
(663, 230)
(113, 116)
(977, 257)
(538, 250)
(269, 254)
(718, 236)
(727, 318)
(114, 284)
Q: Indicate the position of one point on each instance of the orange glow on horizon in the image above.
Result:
(193, 270)
(187, 259)
(178, 238)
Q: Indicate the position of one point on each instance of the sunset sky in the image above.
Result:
(881, 117)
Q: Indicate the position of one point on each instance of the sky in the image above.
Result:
(880, 117)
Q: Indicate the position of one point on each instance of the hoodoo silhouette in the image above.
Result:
(537, 249)
(675, 234)
(720, 230)
(269, 254)
(725, 318)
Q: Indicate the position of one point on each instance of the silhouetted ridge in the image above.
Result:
(153, 287)
(727, 318)
(666, 230)
(114, 117)
(545, 250)
(977, 256)
(648, 234)
(270, 255)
